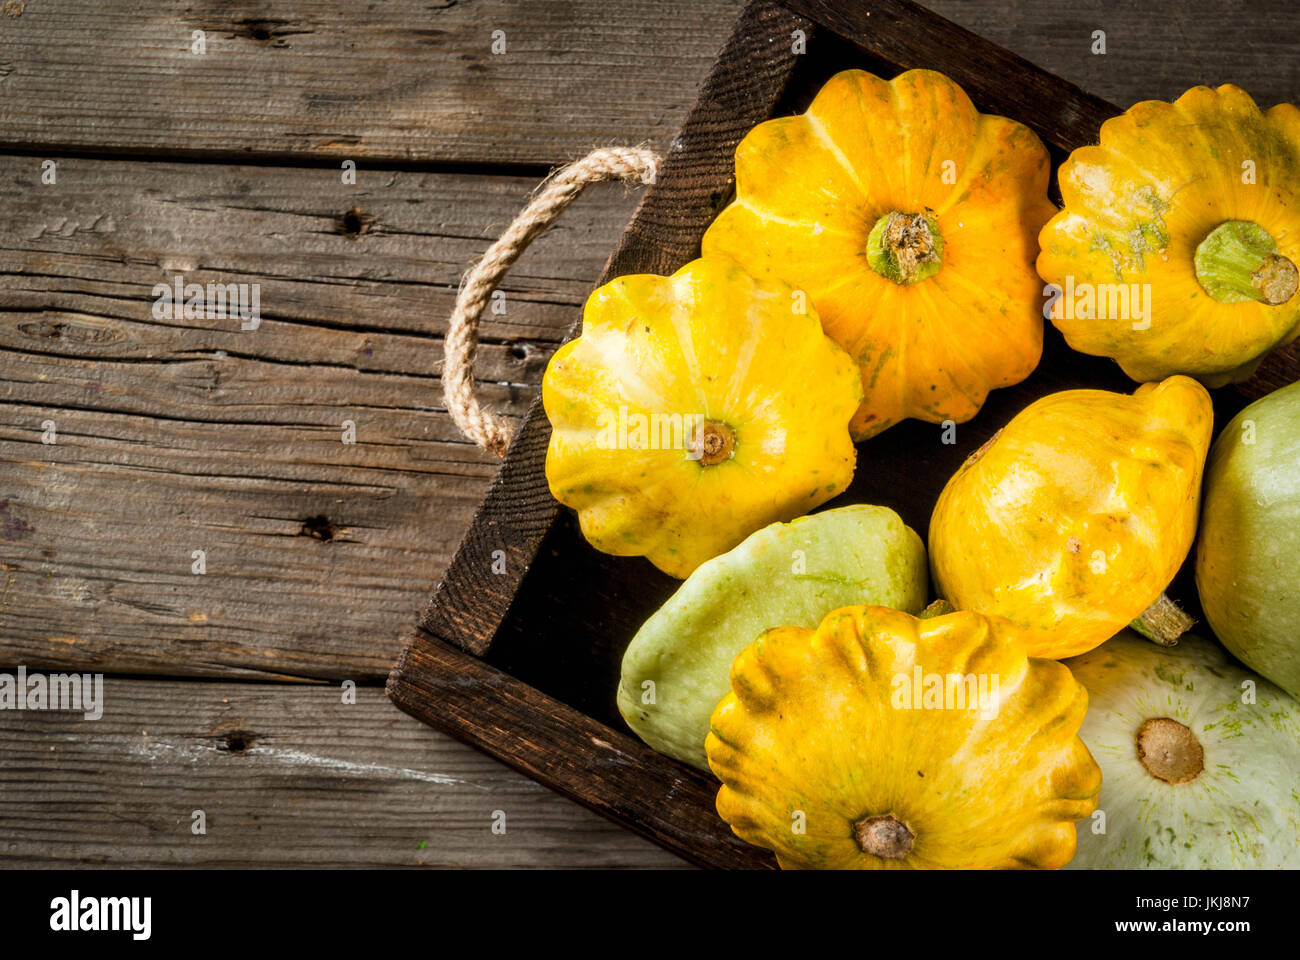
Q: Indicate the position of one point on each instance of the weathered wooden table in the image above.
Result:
(180, 506)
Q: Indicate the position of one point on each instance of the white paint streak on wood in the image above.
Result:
(350, 768)
(156, 751)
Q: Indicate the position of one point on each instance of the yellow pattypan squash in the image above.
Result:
(911, 222)
(1077, 514)
(694, 410)
(1177, 247)
(880, 740)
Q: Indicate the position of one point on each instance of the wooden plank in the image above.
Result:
(907, 35)
(604, 769)
(1154, 49)
(286, 776)
(180, 435)
(92, 77)
(1280, 368)
(694, 182)
(405, 81)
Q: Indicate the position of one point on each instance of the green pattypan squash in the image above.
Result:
(1248, 556)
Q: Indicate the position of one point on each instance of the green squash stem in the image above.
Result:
(939, 608)
(905, 247)
(1238, 261)
(1163, 622)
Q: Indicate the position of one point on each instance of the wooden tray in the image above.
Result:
(524, 663)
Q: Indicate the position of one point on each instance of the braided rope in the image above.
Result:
(488, 430)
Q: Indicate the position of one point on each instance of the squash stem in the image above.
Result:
(1163, 622)
(886, 837)
(1238, 262)
(940, 608)
(905, 247)
(1170, 751)
(712, 443)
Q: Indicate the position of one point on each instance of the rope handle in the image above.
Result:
(489, 430)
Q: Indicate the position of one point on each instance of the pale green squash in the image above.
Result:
(1194, 776)
(788, 574)
(1248, 555)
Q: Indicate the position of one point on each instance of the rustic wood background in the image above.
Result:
(224, 690)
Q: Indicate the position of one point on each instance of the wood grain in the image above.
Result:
(405, 81)
(1155, 49)
(177, 435)
(287, 776)
(416, 82)
(906, 35)
(607, 770)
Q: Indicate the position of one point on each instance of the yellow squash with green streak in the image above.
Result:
(911, 221)
(1191, 210)
(1074, 518)
(694, 410)
(882, 741)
